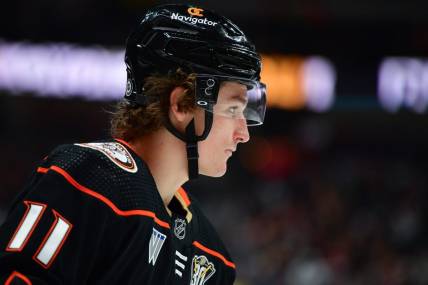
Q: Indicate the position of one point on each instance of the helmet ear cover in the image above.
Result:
(206, 90)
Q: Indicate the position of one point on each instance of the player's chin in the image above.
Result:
(215, 171)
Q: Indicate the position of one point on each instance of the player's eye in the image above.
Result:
(233, 110)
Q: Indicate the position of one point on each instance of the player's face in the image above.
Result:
(228, 130)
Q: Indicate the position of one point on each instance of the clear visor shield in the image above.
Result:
(234, 98)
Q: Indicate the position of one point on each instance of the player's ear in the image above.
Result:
(178, 116)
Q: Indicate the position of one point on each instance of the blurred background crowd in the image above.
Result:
(330, 190)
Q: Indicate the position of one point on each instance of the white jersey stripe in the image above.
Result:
(179, 264)
(181, 255)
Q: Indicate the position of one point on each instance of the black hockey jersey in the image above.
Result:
(91, 214)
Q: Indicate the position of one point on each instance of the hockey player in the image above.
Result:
(114, 212)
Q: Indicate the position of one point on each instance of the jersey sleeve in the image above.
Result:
(55, 231)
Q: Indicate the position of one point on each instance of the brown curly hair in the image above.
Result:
(129, 122)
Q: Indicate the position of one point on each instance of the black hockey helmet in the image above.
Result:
(197, 41)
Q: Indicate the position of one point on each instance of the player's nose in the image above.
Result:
(241, 134)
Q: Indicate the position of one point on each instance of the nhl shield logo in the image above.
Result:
(202, 270)
(155, 245)
(180, 228)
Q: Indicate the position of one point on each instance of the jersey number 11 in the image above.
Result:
(53, 240)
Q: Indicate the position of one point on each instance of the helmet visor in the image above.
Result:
(232, 97)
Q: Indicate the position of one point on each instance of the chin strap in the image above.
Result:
(192, 150)
(191, 140)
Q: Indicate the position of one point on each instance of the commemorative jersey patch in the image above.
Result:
(116, 152)
(202, 270)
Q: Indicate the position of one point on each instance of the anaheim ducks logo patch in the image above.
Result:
(116, 153)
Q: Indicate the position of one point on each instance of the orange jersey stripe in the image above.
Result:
(184, 196)
(214, 253)
(105, 199)
(42, 170)
(17, 275)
